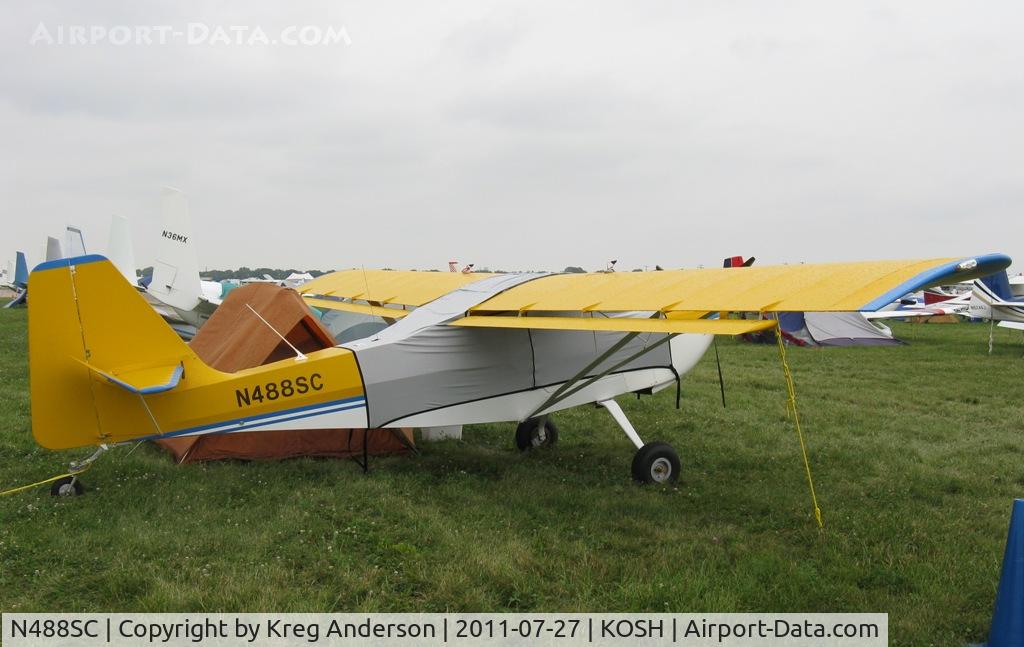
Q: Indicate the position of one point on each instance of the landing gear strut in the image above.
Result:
(71, 485)
(654, 462)
(536, 432)
(67, 486)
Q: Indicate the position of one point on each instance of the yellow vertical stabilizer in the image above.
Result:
(105, 368)
(87, 323)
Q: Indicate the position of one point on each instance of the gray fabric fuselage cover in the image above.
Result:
(422, 364)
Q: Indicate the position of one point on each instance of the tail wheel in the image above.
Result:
(656, 462)
(536, 432)
(67, 486)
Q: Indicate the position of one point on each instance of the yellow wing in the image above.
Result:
(337, 290)
(830, 287)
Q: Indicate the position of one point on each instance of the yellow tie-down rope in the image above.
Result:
(791, 407)
(49, 480)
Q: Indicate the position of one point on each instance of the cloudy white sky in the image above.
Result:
(525, 135)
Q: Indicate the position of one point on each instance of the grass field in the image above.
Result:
(917, 453)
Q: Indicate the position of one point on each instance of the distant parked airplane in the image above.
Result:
(176, 282)
(992, 298)
(19, 281)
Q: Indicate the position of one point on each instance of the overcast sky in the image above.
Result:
(529, 135)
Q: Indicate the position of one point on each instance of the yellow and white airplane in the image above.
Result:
(105, 369)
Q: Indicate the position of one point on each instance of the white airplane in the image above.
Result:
(17, 274)
(176, 283)
(265, 279)
(120, 250)
(53, 250)
(992, 299)
(74, 242)
(17, 280)
(74, 245)
(957, 305)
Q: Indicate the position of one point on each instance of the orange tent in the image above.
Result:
(233, 339)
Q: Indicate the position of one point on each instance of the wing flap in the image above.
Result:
(359, 308)
(620, 324)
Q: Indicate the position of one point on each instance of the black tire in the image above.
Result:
(536, 432)
(656, 463)
(67, 486)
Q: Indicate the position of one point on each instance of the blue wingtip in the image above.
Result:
(964, 269)
(68, 262)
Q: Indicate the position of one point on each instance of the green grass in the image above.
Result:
(917, 452)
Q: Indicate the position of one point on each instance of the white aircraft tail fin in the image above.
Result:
(988, 302)
(74, 242)
(176, 270)
(981, 303)
(120, 250)
(53, 249)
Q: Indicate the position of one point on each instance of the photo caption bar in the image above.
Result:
(461, 629)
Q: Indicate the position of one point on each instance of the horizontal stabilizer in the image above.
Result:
(144, 381)
(621, 324)
(18, 300)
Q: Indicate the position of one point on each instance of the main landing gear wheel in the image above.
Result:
(67, 486)
(656, 463)
(536, 432)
